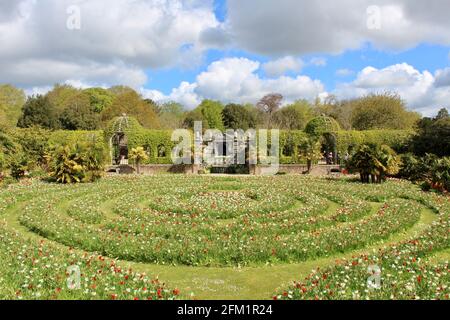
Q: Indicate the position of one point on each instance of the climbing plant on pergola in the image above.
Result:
(327, 128)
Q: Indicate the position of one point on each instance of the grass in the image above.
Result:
(249, 279)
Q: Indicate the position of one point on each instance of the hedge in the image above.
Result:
(60, 137)
(157, 143)
(396, 139)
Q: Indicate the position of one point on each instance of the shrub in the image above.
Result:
(35, 141)
(311, 151)
(410, 167)
(20, 165)
(81, 163)
(374, 163)
(138, 155)
(440, 174)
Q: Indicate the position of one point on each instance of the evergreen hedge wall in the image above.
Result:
(62, 137)
(346, 140)
(158, 143)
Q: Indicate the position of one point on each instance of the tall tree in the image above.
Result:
(60, 95)
(132, 104)
(209, 112)
(38, 111)
(12, 100)
(78, 114)
(119, 90)
(269, 105)
(212, 113)
(382, 111)
(294, 116)
(99, 98)
(442, 114)
(171, 115)
(236, 116)
(433, 136)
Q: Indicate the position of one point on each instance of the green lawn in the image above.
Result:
(210, 237)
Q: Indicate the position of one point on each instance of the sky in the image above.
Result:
(232, 50)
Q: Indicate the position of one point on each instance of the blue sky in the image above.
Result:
(232, 50)
(422, 57)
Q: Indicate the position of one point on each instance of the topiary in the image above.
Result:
(321, 125)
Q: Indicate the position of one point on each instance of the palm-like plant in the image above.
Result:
(138, 155)
(67, 167)
(440, 175)
(311, 151)
(374, 163)
(80, 163)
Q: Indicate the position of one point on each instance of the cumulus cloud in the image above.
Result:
(236, 80)
(293, 27)
(443, 78)
(117, 41)
(423, 91)
(280, 66)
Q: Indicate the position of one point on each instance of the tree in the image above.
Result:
(209, 112)
(193, 116)
(78, 114)
(236, 116)
(8, 148)
(120, 90)
(382, 111)
(12, 100)
(442, 114)
(138, 155)
(131, 103)
(35, 141)
(99, 98)
(270, 104)
(341, 111)
(294, 116)
(433, 136)
(171, 115)
(212, 113)
(60, 96)
(38, 111)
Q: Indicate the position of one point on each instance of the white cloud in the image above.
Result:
(421, 90)
(443, 78)
(117, 42)
(294, 27)
(236, 80)
(279, 67)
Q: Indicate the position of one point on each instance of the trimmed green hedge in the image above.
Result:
(157, 143)
(60, 137)
(396, 139)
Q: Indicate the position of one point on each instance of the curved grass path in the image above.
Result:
(258, 282)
